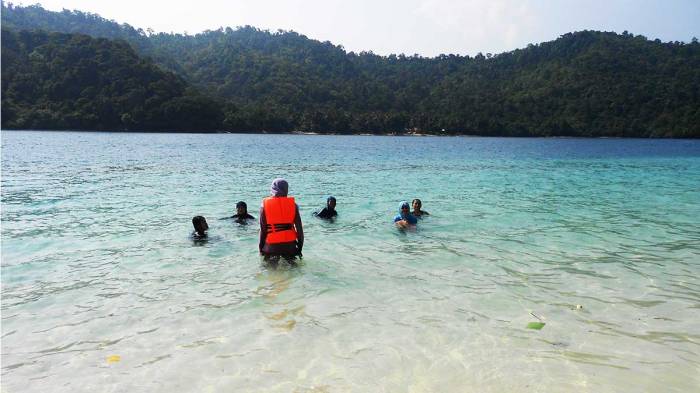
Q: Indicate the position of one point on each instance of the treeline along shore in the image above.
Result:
(72, 70)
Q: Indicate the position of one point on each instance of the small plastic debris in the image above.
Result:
(113, 359)
(535, 325)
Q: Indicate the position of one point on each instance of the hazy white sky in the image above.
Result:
(426, 27)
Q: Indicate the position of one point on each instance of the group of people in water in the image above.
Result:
(281, 230)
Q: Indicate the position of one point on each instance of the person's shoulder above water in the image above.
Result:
(325, 213)
(404, 217)
(242, 215)
(419, 215)
(328, 211)
(417, 212)
(245, 216)
(199, 239)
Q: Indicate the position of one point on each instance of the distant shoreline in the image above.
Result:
(308, 133)
(583, 84)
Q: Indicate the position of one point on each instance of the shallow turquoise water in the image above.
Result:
(96, 262)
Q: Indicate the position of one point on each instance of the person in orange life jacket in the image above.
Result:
(281, 231)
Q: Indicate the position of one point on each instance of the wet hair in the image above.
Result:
(198, 222)
(241, 204)
(330, 198)
(416, 200)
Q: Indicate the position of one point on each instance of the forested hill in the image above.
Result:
(73, 81)
(582, 84)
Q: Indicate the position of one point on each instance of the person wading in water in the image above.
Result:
(281, 231)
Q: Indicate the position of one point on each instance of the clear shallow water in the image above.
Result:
(96, 262)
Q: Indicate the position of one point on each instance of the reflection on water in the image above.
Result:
(274, 282)
(598, 239)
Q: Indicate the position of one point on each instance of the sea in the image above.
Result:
(545, 265)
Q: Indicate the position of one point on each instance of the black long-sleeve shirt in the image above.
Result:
(326, 213)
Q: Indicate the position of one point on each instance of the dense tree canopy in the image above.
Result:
(73, 81)
(582, 84)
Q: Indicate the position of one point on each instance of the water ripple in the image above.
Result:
(597, 238)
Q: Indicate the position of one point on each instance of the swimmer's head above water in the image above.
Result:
(404, 208)
(200, 226)
(417, 205)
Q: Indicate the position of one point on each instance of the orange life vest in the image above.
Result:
(279, 216)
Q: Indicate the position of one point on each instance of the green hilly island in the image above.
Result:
(72, 70)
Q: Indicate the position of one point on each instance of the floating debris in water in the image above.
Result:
(535, 325)
(113, 359)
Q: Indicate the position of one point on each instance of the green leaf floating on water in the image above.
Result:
(535, 325)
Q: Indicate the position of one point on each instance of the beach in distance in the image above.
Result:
(59, 70)
(546, 264)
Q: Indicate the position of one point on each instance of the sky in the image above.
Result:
(424, 27)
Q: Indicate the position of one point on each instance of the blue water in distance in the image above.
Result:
(103, 290)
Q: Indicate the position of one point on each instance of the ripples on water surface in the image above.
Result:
(96, 262)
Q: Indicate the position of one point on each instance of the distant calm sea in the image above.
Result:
(103, 291)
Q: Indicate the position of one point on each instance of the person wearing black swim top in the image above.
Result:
(328, 212)
(242, 213)
(417, 212)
